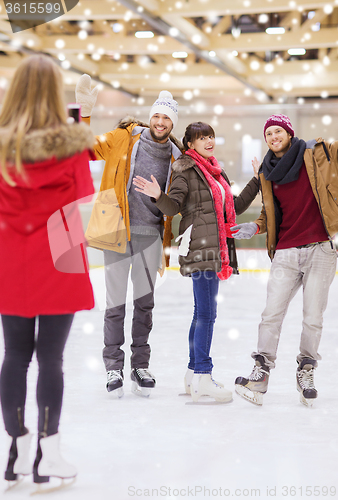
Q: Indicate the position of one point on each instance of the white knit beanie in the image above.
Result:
(166, 105)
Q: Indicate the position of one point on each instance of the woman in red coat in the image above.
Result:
(43, 268)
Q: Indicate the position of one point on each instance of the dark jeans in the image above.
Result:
(19, 336)
(205, 288)
(143, 256)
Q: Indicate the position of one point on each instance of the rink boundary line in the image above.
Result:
(240, 269)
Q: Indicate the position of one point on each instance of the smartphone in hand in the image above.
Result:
(74, 112)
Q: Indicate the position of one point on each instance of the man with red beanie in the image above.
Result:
(299, 184)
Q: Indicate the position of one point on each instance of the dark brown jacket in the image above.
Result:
(321, 162)
(191, 196)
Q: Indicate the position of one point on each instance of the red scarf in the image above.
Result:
(212, 170)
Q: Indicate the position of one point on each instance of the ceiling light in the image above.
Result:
(269, 68)
(65, 64)
(263, 18)
(179, 55)
(328, 9)
(173, 32)
(117, 27)
(275, 31)
(287, 86)
(296, 52)
(315, 27)
(144, 34)
(254, 65)
(196, 38)
(236, 31)
(187, 95)
(59, 44)
(82, 34)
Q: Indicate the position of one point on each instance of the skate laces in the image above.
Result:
(114, 374)
(257, 373)
(214, 382)
(305, 378)
(144, 373)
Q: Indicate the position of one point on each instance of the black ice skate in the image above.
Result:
(256, 385)
(305, 382)
(143, 382)
(115, 382)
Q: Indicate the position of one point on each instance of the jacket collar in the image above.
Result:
(184, 162)
(60, 142)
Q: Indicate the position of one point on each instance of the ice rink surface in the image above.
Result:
(163, 448)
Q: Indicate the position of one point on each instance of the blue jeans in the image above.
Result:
(205, 288)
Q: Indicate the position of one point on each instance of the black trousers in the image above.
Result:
(20, 343)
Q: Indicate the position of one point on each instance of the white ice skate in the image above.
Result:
(187, 382)
(202, 384)
(142, 382)
(53, 465)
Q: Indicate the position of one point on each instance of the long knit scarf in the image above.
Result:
(212, 171)
(285, 169)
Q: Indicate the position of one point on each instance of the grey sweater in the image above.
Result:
(153, 158)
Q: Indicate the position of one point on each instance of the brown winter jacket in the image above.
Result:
(321, 162)
(191, 196)
(109, 226)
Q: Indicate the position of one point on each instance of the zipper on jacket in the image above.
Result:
(197, 170)
(266, 218)
(315, 177)
(326, 151)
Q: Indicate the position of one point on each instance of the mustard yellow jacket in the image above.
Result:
(321, 162)
(109, 226)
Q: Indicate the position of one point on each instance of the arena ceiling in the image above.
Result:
(200, 48)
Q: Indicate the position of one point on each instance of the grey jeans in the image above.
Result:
(313, 267)
(143, 257)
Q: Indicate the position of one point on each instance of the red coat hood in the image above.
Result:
(52, 158)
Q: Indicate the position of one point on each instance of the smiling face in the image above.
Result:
(160, 127)
(278, 140)
(204, 145)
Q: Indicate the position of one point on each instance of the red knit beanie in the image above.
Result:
(280, 121)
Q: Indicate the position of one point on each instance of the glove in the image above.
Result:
(245, 231)
(85, 96)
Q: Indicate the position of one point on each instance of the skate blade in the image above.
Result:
(306, 402)
(254, 397)
(184, 394)
(144, 392)
(41, 489)
(119, 393)
(13, 484)
(212, 402)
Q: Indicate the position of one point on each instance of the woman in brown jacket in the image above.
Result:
(200, 191)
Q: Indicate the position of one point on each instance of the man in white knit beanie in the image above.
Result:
(131, 149)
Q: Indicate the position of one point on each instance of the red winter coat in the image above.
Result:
(57, 168)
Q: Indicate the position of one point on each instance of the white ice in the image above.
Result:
(163, 448)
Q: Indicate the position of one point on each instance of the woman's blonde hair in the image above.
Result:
(34, 101)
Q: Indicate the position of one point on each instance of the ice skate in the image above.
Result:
(187, 382)
(18, 461)
(202, 384)
(49, 463)
(115, 382)
(305, 382)
(255, 386)
(142, 382)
